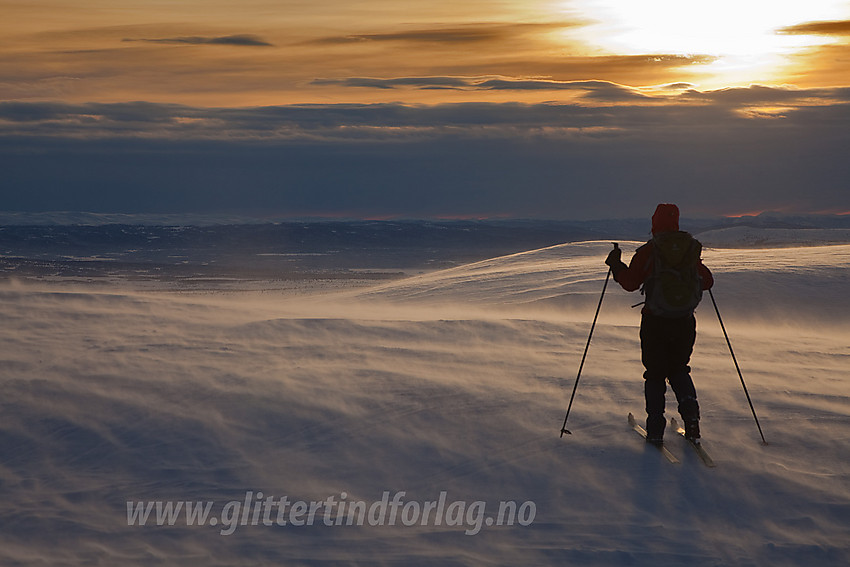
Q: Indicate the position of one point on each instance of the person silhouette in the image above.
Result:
(667, 335)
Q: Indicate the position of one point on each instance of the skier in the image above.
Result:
(667, 333)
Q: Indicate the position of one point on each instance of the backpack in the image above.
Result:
(674, 288)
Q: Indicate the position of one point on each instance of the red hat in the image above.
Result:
(666, 218)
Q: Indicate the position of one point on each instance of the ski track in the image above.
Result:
(452, 381)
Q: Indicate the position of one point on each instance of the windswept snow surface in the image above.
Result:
(758, 237)
(451, 383)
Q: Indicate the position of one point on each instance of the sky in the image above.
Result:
(569, 109)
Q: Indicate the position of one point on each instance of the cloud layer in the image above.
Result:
(597, 106)
(618, 151)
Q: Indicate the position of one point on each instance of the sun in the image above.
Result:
(742, 35)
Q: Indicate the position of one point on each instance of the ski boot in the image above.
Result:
(692, 430)
(655, 425)
(689, 410)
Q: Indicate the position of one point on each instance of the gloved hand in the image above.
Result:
(615, 262)
(613, 258)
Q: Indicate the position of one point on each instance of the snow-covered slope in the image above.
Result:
(452, 383)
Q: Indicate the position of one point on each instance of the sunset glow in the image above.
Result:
(744, 36)
(336, 72)
(213, 53)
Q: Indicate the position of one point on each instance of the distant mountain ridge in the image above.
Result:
(88, 218)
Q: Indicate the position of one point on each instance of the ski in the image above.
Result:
(642, 432)
(703, 455)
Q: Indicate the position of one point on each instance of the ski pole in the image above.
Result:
(580, 366)
(738, 368)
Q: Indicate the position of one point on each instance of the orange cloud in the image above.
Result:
(838, 27)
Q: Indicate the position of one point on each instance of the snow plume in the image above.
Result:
(451, 382)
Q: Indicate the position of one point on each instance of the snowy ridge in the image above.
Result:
(757, 237)
(114, 395)
(755, 283)
(83, 218)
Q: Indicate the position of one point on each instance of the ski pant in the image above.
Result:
(666, 346)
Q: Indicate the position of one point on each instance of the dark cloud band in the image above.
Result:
(239, 40)
(473, 33)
